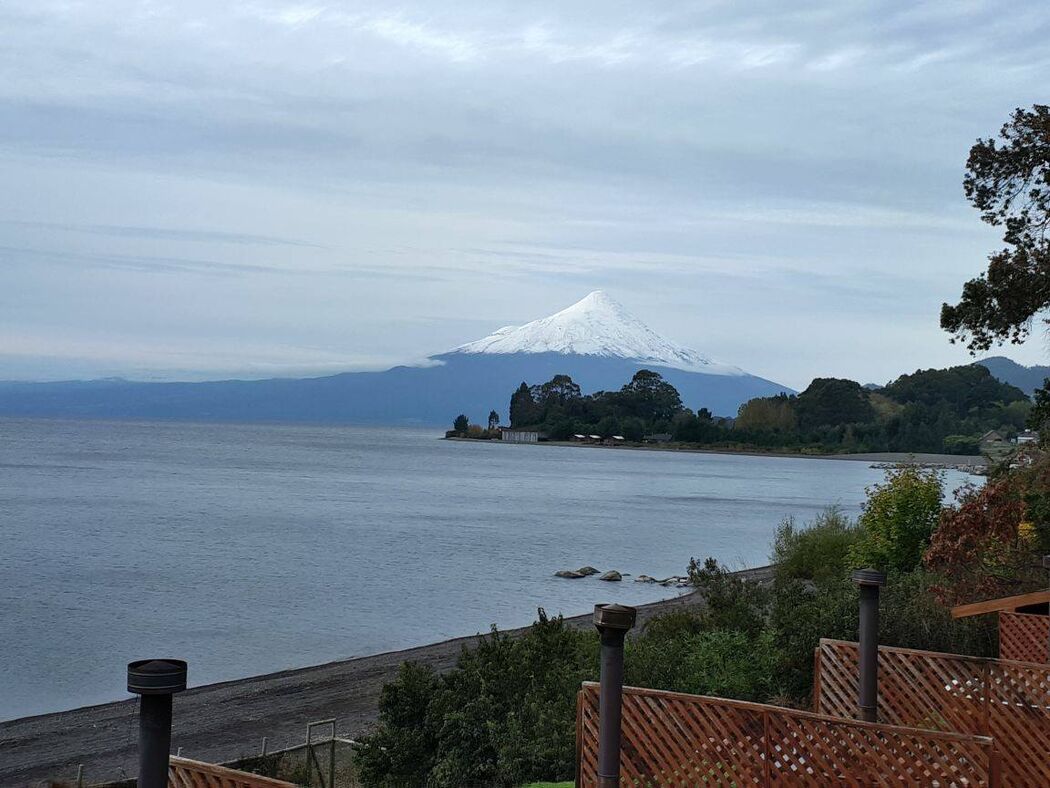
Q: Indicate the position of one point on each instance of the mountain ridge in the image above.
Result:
(472, 379)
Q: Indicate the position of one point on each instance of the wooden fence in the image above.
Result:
(1007, 700)
(671, 739)
(1024, 637)
(184, 773)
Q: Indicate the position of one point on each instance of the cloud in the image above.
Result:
(784, 178)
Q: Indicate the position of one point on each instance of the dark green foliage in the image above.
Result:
(523, 408)
(401, 751)
(818, 551)
(1039, 417)
(933, 410)
(962, 444)
(649, 397)
(733, 602)
(504, 716)
(963, 389)
(1008, 181)
(493, 419)
(461, 424)
(828, 402)
(725, 662)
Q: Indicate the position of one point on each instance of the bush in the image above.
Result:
(817, 552)
(898, 519)
(731, 601)
(505, 715)
(724, 662)
(977, 548)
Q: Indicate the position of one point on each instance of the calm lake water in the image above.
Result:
(247, 549)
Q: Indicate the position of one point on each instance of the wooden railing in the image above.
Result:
(184, 773)
(1004, 699)
(672, 739)
(1024, 637)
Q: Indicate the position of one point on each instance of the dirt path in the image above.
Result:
(221, 722)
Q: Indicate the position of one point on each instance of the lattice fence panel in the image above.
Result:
(185, 773)
(919, 689)
(1007, 700)
(675, 740)
(1024, 637)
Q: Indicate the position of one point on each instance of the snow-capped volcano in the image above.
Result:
(597, 325)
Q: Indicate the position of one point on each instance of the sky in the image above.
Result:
(194, 190)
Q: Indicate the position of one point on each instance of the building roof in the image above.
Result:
(991, 435)
(1003, 603)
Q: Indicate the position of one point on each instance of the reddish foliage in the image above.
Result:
(976, 547)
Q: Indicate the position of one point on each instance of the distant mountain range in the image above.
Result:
(1028, 379)
(595, 340)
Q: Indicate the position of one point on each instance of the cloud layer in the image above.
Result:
(199, 189)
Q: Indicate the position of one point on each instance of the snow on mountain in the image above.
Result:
(597, 325)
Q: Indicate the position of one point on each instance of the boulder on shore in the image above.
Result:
(587, 570)
(569, 574)
(612, 574)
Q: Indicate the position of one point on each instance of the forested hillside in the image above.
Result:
(936, 410)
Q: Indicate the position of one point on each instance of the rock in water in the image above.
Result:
(569, 574)
(644, 579)
(587, 570)
(612, 574)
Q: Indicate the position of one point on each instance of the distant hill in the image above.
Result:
(1028, 379)
(595, 341)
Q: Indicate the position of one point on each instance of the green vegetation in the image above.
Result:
(937, 410)
(1008, 181)
(505, 715)
(898, 520)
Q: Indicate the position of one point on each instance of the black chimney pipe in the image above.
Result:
(869, 582)
(155, 681)
(612, 622)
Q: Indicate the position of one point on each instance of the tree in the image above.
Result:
(649, 397)
(1008, 181)
(1039, 416)
(976, 547)
(898, 519)
(493, 419)
(461, 424)
(523, 408)
(767, 413)
(559, 390)
(832, 402)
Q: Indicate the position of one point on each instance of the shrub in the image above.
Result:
(818, 551)
(898, 519)
(505, 715)
(976, 548)
(732, 602)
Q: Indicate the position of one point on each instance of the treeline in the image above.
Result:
(937, 410)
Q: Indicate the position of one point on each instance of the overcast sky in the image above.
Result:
(200, 189)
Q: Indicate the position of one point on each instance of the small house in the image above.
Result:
(517, 435)
(614, 440)
(1028, 436)
(993, 440)
(657, 437)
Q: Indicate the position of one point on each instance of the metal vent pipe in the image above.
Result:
(869, 581)
(155, 681)
(612, 622)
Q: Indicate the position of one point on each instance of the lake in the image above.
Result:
(252, 548)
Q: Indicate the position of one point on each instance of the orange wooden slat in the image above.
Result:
(186, 773)
(1003, 603)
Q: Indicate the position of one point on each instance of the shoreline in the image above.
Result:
(225, 721)
(925, 459)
